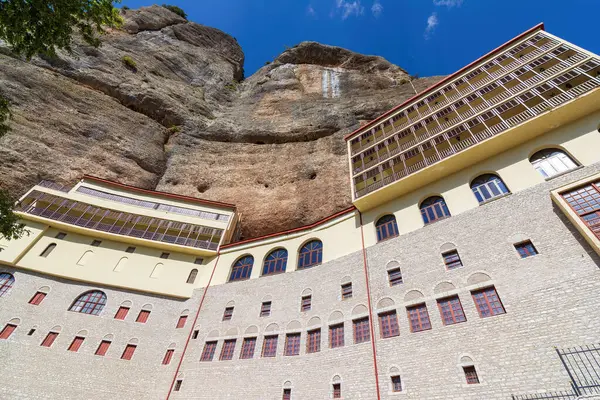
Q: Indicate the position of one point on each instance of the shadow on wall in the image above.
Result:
(576, 235)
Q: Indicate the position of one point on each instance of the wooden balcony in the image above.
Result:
(79, 214)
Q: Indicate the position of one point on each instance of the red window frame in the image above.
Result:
(6, 282)
(418, 316)
(337, 390)
(76, 344)
(7, 331)
(128, 352)
(143, 316)
(103, 348)
(361, 330)
(181, 322)
(310, 255)
(388, 324)
(452, 259)
(313, 341)
(168, 357)
(49, 339)
(396, 384)
(248, 346)
(228, 313)
(336, 336)
(227, 350)
(306, 303)
(471, 375)
(585, 202)
(451, 310)
(292, 344)
(287, 394)
(91, 302)
(270, 346)
(37, 298)
(347, 291)
(276, 262)
(242, 269)
(209, 351)
(488, 302)
(395, 276)
(122, 313)
(265, 309)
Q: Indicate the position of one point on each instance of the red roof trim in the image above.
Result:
(449, 77)
(302, 228)
(157, 193)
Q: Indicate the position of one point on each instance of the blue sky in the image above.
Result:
(425, 37)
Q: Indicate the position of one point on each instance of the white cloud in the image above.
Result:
(377, 8)
(448, 3)
(432, 22)
(311, 11)
(348, 8)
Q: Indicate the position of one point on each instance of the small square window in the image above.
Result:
(306, 303)
(37, 298)
(181, 322)
(265, 309)
(471, 375)
(143, 316)
(346, 291)
(337, 390)
(165, 255)
(195, 334)
(452, 260)
(526, 249)
(396, 383)
(199, 260)
(178, 384)
(168, 357)
(31, 332)
(228, 313)
(395, 276)
(130, 249)
(60, 235)
(96, 243)
(287, 394)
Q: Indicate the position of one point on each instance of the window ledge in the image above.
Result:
(564, 173)
(495, 198)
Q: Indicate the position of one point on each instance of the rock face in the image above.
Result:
(185, 120)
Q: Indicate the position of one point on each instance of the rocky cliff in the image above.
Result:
(183, 119)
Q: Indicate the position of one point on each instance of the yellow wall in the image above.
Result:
(580, 139)
(340, 237)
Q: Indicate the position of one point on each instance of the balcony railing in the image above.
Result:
(514, 91)
(120, 223)
(485, 134)
(55, 186)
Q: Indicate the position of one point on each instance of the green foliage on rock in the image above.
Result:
(35, 27)
(4, 115)
(177, 10)
(10, 227)
(129, 62)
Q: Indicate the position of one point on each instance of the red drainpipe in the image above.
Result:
(187, 342)
(362, 236)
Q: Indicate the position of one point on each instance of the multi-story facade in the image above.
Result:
(467, 268)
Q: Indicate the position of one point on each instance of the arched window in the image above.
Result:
(48, 250)
(552, 162)
(487, 187)
(6, 282)
(386, 227)
(434, 208)
(192, 276)
(91, 302)
(275, 262)
(311, 254)
(242, 269)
